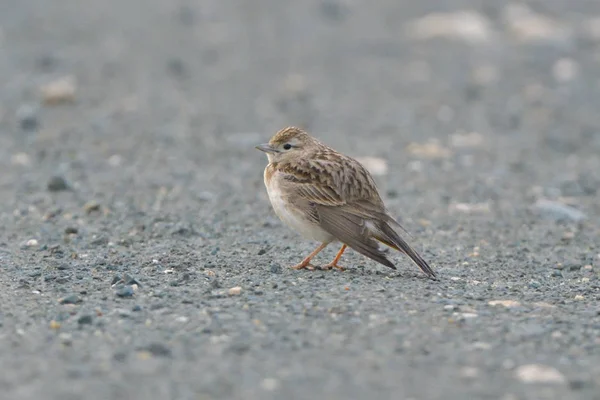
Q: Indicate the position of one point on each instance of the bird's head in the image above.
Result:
(288, 144)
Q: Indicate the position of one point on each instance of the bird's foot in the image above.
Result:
(332, 265)
(302, 265)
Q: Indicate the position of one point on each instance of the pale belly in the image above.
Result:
(293, 218)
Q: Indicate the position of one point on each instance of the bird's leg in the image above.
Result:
(334, 263)
(306, 262)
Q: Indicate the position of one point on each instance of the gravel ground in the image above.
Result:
(140, 258)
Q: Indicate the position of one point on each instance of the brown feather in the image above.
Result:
(350, 230)
(391, 238)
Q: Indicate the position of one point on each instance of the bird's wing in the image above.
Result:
(335, 181)
(352, 230)
(341, 203)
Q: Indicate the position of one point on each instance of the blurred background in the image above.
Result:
(144, 85)
(127, 134)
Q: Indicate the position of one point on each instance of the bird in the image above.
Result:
(329, 197)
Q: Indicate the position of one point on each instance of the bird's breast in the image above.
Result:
(279, 199)
(288, 211)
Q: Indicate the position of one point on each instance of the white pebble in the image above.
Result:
(465, 140)
(234, 291)
(59, 91)
(115, 160)
(466, 25)
(538, 373)
(528, 26)
(376, 166)
(591, 28)
(22, 159)
(470, 208)
(565, 70)
(469, 372)
(505, 303)
(269, 384)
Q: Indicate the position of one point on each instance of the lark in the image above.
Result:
(329, 197)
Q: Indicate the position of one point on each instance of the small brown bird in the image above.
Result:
(327, 196)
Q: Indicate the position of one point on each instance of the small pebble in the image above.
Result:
(125, 291)
(542, 304)
(27, 116)
(85, 320)
(31, 243)
(574, 267)
(466, 140)
(22, 159)
(57, 183)
(375, 165)
(557, 273)
(470, 208)
(275, 268)
(187, 15)
(234, 291)
(577, 384)
(505, 303)
(534, 284)
(157, 350)
(91, 206)
(466, 315)
(71, 230)
(333, 10)
(527, 25)
(469, 372)
(59, 91)
(482, 346)
(269, 384)
(565, 70)
(176, 67)
(121, 312)
(115, 160)
(130, 280)
(465, 25)
(537, 373)
(72, 299)
(54, 325)
(568, 236)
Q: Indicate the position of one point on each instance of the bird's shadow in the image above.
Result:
(392, 274)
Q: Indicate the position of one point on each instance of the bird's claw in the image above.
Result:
(307, 266)
(329, 266)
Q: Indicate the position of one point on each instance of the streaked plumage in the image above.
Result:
(327, 196)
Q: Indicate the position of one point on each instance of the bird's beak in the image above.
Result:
(267, 148)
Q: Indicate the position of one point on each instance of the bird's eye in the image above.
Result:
(287, 146)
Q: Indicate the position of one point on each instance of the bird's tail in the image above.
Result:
(388, 236)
